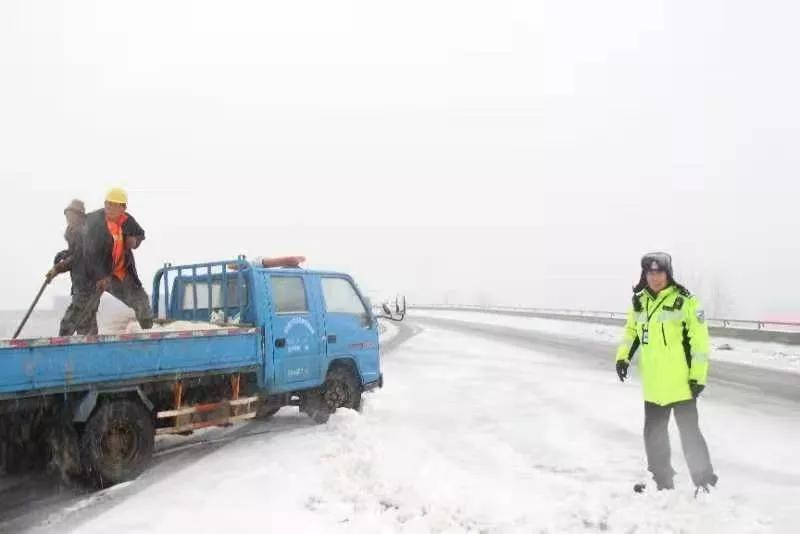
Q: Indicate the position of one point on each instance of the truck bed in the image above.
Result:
(32, 367)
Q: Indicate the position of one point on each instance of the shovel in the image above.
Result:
(30, 310)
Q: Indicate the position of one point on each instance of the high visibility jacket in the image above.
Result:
(671, 331)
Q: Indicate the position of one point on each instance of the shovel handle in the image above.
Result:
(30, 310)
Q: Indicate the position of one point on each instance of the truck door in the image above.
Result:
(349, 327)
(296, 332)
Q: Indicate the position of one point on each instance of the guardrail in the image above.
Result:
(774, 331)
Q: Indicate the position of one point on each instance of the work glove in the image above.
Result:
(61, 256)
(696, 388)
(622, 369)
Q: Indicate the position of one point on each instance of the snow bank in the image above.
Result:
(768, 355)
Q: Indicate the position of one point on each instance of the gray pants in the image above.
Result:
(656, 442)
(81, 315)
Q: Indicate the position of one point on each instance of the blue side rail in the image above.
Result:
(194, 292)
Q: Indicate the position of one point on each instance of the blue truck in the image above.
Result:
(259, 339)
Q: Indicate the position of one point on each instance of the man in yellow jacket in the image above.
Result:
(668, 324)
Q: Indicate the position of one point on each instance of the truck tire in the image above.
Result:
(342, 389)
(313, 404)
(117, 442)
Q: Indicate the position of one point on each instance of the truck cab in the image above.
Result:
(310, 320)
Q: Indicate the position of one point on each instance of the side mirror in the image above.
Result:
(398, 314)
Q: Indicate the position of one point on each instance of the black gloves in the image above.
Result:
(696, 388)
(61, 256)
(622, 370)
(622, 373)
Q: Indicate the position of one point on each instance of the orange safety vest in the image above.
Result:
(119, 269)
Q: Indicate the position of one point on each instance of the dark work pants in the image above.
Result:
(81, 315)
(656, 442)
(77, 319)
(135, 297)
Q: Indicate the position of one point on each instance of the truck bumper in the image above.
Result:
(374, 385)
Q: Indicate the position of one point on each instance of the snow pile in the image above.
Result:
(473, 435)
(770, 355)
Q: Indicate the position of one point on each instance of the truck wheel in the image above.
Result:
(117, 442)
(314, 405)
(342, 389)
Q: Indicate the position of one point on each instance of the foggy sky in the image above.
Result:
(523, 152)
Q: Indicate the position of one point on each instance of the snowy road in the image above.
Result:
(477, 429)
(738, 383)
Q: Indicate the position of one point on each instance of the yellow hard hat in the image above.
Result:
(117, 195)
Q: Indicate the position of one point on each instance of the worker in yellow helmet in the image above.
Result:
(668, 324)
(112, 235)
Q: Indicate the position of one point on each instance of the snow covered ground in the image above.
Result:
(468, 435)
(769, 355)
